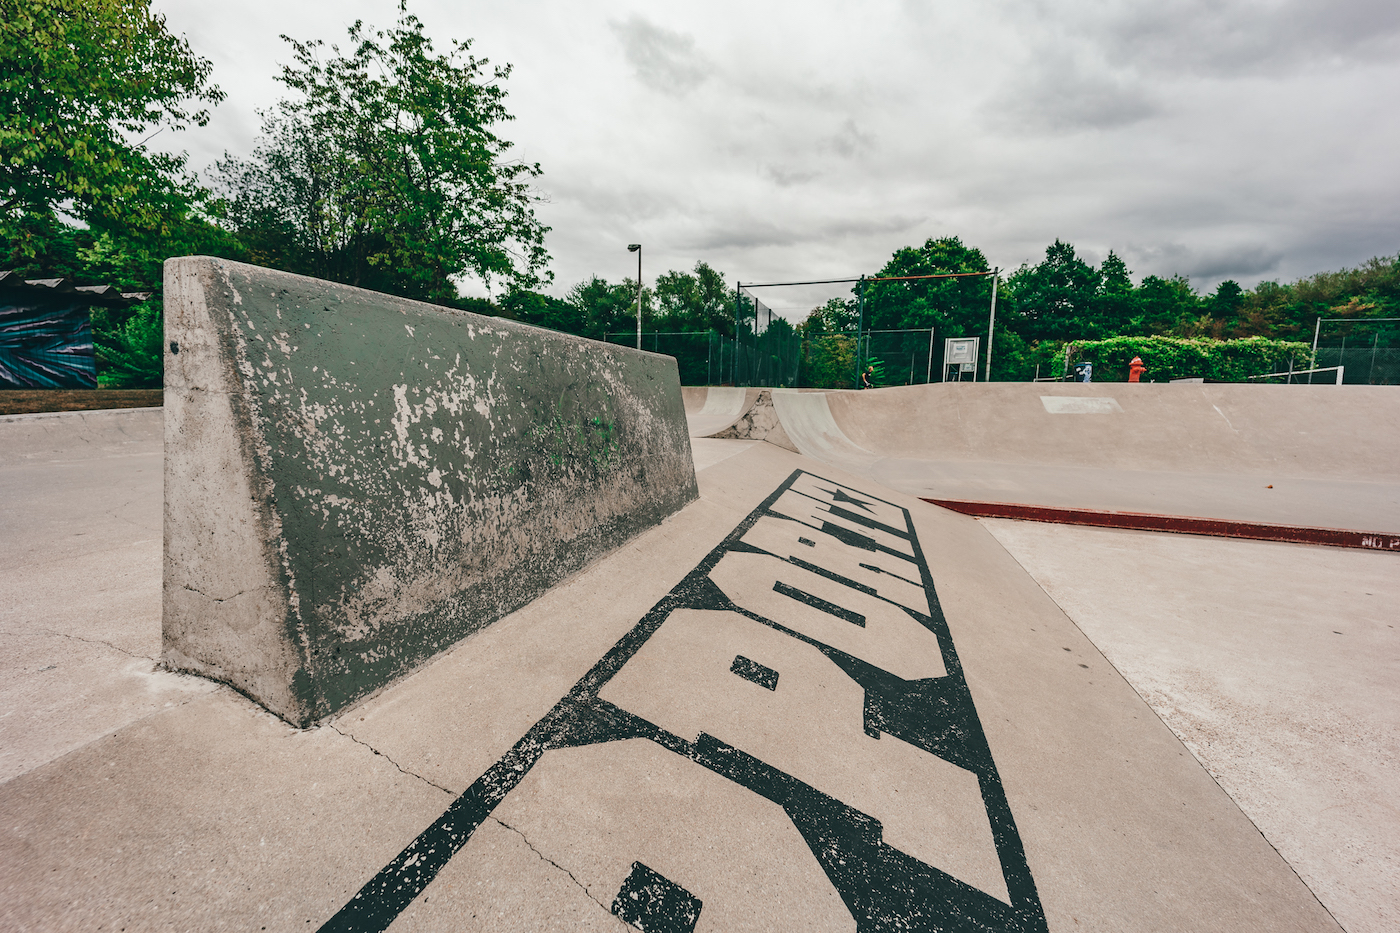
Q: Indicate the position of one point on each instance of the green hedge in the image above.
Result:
(1168, 358)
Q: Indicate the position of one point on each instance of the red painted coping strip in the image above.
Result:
(1179, 524)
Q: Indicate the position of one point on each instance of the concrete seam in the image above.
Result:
(391, 761)
(1199, 762)
(107, 735)
(551, 861)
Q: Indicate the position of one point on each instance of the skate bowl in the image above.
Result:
(1294, 456)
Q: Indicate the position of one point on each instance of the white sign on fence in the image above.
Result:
(961, 352)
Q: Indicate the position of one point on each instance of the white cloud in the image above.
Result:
(1241, 139)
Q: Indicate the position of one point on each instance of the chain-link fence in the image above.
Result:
(778, 357)
(1375, 365)
(771, 358)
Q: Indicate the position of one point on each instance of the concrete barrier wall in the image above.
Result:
(355, 482)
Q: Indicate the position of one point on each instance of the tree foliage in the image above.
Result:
(386, 170)
(79, 79)
(694, 301)
(950, 305)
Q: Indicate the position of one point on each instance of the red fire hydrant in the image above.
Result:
(1136, 369)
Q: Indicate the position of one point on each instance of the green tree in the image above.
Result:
(1114, 302)
(837, 316)
(953, 306)
(1164, 306)
(129, 347)
(386, 170)
(695, 301)
(600, 307)
(78, 79)
(1056, 299)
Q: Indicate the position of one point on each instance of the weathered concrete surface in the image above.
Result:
(759, 422)
(355, 482)
(211, 816)
(80, 501)
(1279, 667)
(248, 823)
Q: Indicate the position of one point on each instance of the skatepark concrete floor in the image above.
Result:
(1193, 733)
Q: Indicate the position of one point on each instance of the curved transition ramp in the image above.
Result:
(1313, 464)
(355, 482)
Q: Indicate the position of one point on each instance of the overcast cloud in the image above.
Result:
(1244, 140)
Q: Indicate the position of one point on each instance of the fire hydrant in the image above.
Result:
(1136, 369)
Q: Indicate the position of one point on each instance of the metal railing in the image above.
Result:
(1340, 370)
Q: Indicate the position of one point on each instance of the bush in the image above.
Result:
(1168, 358)
(129, 351)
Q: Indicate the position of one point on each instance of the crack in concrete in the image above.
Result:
(90, 641)
(391, 761)
(551, 861)
(217, 599)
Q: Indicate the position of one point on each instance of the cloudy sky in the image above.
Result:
(1247, 140)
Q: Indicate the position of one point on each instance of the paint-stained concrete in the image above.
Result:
(355, 482)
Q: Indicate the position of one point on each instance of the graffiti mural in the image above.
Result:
(797, 708)
(46, 345)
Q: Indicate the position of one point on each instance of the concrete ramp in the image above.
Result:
(710, 410)
(1300, 456)
(355, 482)
(1324, 432)
(808, 422)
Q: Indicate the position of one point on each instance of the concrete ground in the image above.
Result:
(1277, 665)
(1151, 704)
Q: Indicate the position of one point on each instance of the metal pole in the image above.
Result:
(991, 324)
(639, 296)
(734, 363)
(928, 377)
(1317, 329)
(860, 326)
(1371, 376)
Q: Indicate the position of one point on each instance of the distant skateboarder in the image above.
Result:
(1136, 369)
(867, 377)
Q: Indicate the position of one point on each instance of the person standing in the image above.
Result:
(867, 378)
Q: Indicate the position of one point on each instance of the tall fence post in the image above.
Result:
(860, 326)
(991, 324)
(738, 301)
(1317, 330)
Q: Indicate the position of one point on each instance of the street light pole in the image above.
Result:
(637, 248)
